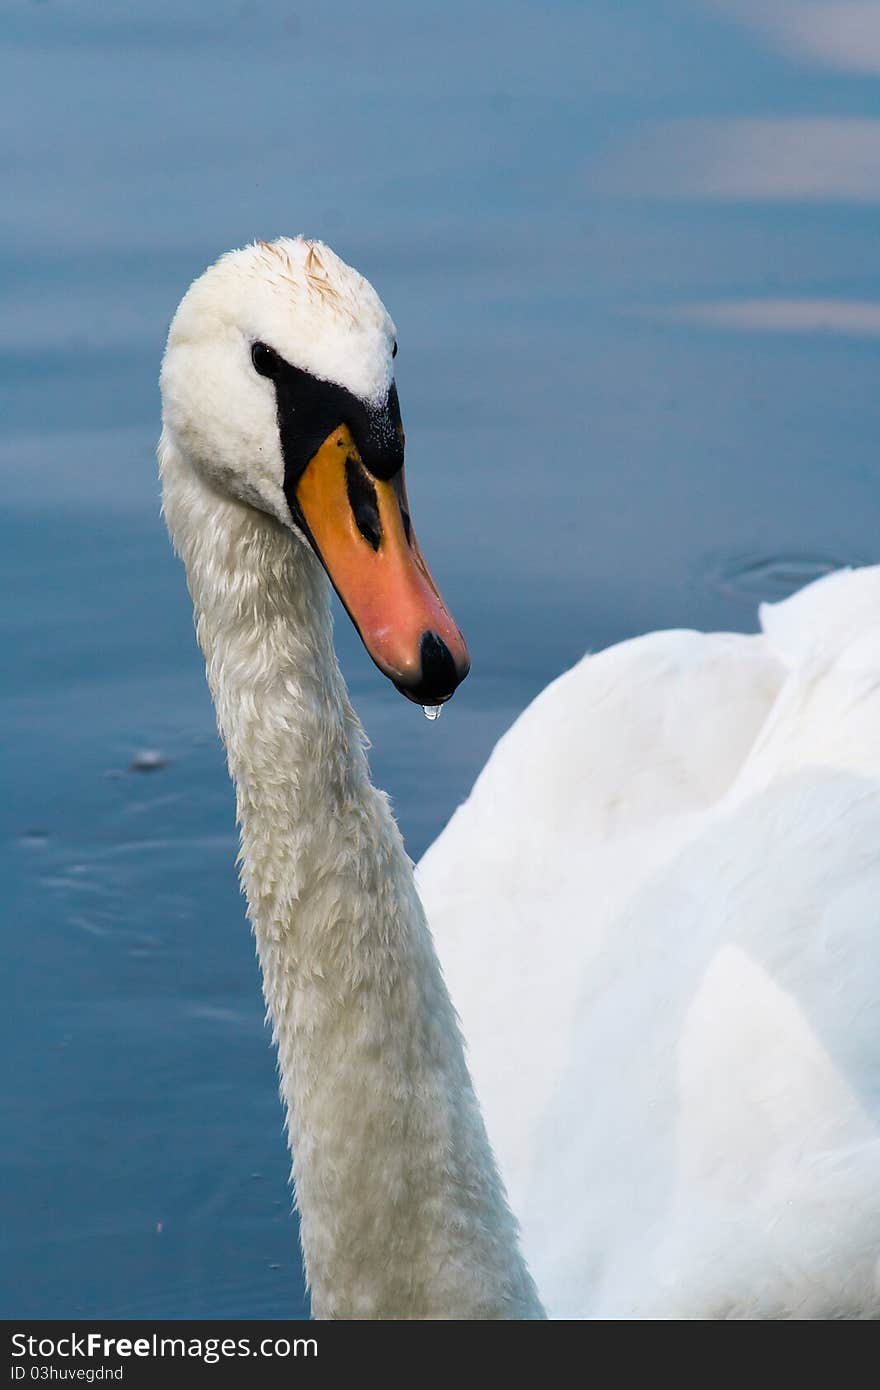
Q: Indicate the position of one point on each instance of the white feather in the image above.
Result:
(669, 983)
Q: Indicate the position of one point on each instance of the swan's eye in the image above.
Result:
(265, 361)
(394, 350)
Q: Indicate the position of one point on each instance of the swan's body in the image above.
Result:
(672, 1021)
(668, 1150)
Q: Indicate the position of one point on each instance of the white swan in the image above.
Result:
(655, 911)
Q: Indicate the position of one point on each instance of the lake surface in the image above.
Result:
(632, 252)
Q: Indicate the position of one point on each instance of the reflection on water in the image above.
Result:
(585, 227)
(853, 318)
(780, 159)
(843, 35)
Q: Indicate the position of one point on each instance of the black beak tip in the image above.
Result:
(440, 678)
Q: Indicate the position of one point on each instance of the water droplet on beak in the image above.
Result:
(432, 711)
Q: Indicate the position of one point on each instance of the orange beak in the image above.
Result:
(359, 526)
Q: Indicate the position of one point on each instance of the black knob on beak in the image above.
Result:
(439, 677)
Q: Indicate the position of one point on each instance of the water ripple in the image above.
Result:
(753, 576)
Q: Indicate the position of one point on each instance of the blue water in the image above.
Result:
(566, 208)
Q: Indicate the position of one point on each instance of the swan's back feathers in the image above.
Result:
(659, 915)
(823, 617)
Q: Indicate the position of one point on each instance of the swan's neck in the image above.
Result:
(402, 1211)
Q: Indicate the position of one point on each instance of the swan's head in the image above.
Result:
(278, 386)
